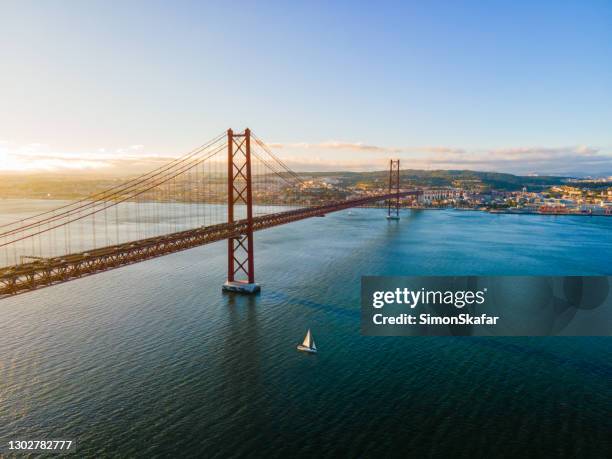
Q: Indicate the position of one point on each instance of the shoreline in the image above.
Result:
(462, 209)
(510, 212)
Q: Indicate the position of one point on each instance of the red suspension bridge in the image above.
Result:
(228, 188)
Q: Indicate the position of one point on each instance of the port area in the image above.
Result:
(521, 211)
(549, 212)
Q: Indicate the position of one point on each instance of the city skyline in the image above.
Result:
(515, 88)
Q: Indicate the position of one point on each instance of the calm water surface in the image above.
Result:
(153, 360)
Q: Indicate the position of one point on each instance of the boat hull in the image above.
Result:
(306, 349)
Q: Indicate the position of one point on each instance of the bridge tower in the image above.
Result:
(240, 255)
(394, 186)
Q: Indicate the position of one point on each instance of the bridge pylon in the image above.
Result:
(394, 187)
(240, 254)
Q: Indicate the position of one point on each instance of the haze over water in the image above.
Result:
(152, 359)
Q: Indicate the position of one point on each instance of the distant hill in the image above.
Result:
(441, 178)
(54, 186)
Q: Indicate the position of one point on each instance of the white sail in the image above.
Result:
(308, 340)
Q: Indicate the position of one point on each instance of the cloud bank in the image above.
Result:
(326, 156)
(565, 160)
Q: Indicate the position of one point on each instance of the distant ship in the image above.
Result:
(308, 345)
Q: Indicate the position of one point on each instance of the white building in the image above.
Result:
(439, 194)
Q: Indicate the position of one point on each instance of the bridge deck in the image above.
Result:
(41, 273)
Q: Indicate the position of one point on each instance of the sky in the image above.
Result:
(521, 87)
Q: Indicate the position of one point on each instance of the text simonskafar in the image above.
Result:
(414, 298)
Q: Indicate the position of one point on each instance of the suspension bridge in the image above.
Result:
(226, 189)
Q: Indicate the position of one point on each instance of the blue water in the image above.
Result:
(152, 360)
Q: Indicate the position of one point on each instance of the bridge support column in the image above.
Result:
(240, 255)
(394, 186)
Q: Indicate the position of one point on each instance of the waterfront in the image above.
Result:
(152, 359)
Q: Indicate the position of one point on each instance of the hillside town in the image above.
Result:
(466, 190)
(577, 198)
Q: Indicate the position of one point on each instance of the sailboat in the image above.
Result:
(308, 345)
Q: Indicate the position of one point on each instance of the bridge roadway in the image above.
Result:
(50, 271)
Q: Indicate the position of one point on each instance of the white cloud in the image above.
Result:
(39, 157)
(359, 146)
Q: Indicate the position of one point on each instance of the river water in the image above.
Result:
(154, 360)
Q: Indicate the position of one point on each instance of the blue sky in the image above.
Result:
(511, 86)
